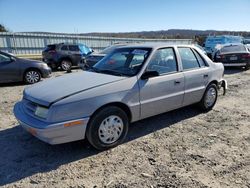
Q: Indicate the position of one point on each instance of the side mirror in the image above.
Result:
(149, 74)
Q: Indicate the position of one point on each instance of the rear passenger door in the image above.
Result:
(75, 54)
(196, 74)
(164, 92)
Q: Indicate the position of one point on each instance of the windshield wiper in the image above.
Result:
(106, 71)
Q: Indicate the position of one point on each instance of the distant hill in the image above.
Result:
(198, 35)
(171, 33)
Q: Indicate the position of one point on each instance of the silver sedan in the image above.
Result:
(131, 83)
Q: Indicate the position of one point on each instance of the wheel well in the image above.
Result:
(32, 68)
(120, 105)
(213, 82)
(65, 58)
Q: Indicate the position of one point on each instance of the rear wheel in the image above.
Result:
(66, 64)
(209, 98)
(32, 76)
(107, 128)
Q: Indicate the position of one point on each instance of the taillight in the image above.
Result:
(246, 56)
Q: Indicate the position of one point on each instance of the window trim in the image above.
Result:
(194, 50)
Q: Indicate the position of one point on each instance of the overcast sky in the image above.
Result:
(81, 16)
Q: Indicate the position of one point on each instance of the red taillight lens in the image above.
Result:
(246, 56)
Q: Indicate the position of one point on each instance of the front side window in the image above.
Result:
(163, 61)
(188, 58)
(64, 47)
(4, 58)
(123, 61)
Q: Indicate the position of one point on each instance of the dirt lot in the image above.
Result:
(183, 148)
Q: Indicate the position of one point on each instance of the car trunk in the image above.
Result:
(49, 52)
(234, 57)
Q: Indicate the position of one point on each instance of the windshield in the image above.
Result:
(109, 49)
(123, 61)
(84, 49)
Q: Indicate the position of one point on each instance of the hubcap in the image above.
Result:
(210, 97)
(110, 129)
(66, 65)
(32, 77)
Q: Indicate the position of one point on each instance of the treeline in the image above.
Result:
(2, 28)
(170, 34)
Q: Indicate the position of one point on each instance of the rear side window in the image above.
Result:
(73, 48)
(199, 58)
(188, 58)
(64, 47)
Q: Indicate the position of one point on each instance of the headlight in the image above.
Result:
(41, 112)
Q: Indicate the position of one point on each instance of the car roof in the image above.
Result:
(65, 43)
(155, 45)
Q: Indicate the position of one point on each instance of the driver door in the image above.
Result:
(164, 92)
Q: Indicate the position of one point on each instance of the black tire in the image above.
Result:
(32, 76)
(203, 104)
(66, 65)
(53, 66)
(94, 132)
(247, 67)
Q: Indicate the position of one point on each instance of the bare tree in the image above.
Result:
(2, 28)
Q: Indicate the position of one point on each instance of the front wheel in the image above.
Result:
(66, 65)
(32, 76)
(107, 128)
(209, 98)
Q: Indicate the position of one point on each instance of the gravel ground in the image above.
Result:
(182, 148)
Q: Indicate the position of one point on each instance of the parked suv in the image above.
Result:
(65, 55)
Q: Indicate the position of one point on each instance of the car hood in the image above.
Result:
(52, 90)
(29, 60)
(95, 56)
